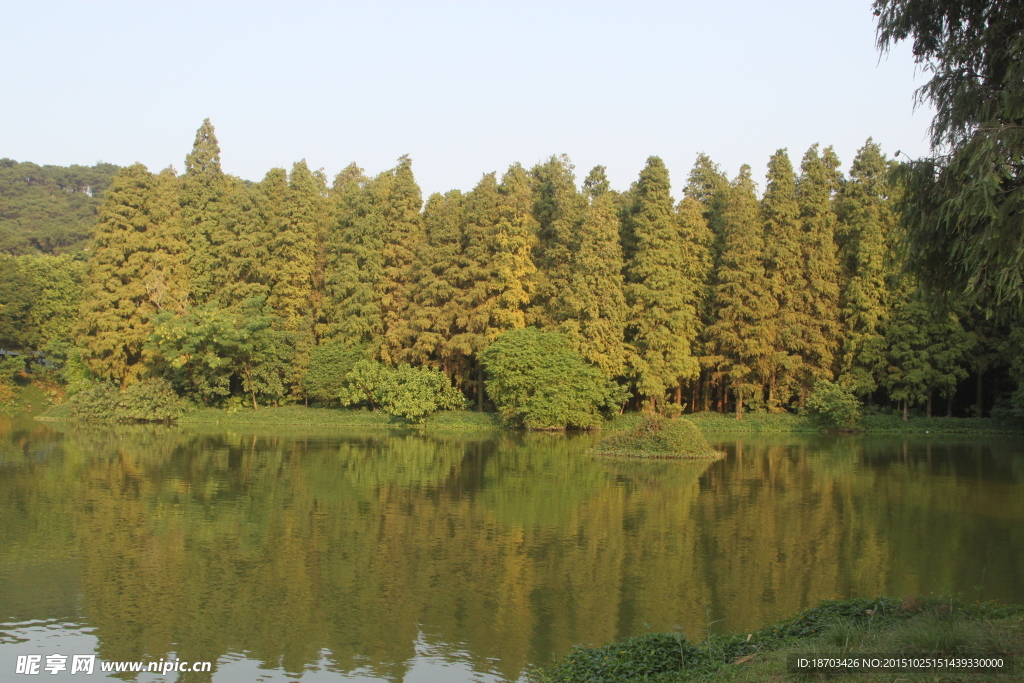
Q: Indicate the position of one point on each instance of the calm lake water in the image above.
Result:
(293, 555)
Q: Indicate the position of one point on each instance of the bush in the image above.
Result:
(657, 437)
(412, 393)
(538, 381)
(835, 404)
(151, 400)
(325, 378)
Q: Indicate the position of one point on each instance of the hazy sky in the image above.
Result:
(463, 88)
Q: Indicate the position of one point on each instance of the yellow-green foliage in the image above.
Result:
(657, 437)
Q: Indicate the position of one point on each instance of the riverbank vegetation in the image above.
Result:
(553, 304)
(835, 628)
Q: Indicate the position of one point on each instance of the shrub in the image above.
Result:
(835, 404)
(657, 437)
(324, 380)
(412, 393)
(538, 381)
(151, 400)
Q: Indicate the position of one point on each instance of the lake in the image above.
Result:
(311, 555)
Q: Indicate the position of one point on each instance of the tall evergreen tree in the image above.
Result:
(665, 269)
(865, 237)
(741, 338)
(785, 275)
(926, 351)
(593, 310)
(249, 235)
(819, 181)
(203, 189)
(399, 202)
(355, 261)
(495, 289)
(437, 277)
(135, 271)
(558, 208)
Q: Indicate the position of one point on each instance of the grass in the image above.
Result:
(872, 423)
(657, 437)
(910, 627)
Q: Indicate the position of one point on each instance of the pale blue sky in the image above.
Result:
(462, 87)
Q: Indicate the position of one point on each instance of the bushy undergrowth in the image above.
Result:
(658, 437)
(151, 400)
(910, 626)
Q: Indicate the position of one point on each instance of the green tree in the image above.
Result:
(538, 381)
(203, 189)
(325, 379)
(741, 338)
(293, 264)
(818, 183)
(962, 206)
(495, 283)
(434, 314)
(135, 271)
(203, 350)
(927, 346)
(19, 291)
(786, 278)
(558, 208)
(866, 224)
(593, 310)
(666, 264)
(400, 202)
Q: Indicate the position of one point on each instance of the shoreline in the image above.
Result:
(914, 627)
(709, 423)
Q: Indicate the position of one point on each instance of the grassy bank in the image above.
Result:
(837, 628)
(872, 423)
(301, 416)
(709, 423)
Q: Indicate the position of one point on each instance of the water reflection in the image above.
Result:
(416, 557)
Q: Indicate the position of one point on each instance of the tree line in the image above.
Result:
(728, 300)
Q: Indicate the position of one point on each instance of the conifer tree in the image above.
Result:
(865, 230)
(135, 271)
(292, 264)
(293, 249)
(785, 276)
(708, 185)
(499, 238)
(665, 270)
(399, 201)
(558, 208)
(203, 188)
(818, 183)
(355, 261)
(741, 338)
(435, 309)
(248, 235)
(926, 351)
(596, 183)
(593, 306)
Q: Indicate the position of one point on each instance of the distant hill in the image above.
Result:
(49, 209)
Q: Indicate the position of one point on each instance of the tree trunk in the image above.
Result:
(739, 403)
(696, 392)
(929, 408)
(479, 389)
(679, 394)
(906, 412)
(949, 406)
(979, 409)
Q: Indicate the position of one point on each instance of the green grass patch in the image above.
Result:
(909, 627)
(658, 437)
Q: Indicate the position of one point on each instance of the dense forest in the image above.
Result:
(293, 289)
